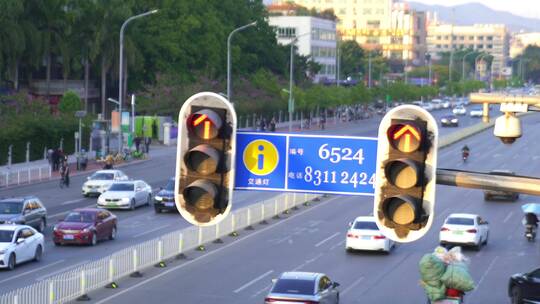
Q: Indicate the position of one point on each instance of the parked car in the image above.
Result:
(476, 112)
(503, 195)
(446, 104)
(464, 229)
(26, 210)
(126, 195)
(427, 106)
(85, 226)
(303, 287)
(437, 104)
(525, 287)
(364, 234)
(164, 199)
(459, 110)
(101, 180)
(18, 244)
(449, 121)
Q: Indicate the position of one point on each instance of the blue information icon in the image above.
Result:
(306, 163)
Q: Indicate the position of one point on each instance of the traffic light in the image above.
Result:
(405, 173)
(205, 159)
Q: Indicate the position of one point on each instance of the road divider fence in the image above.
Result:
(76, 283)
(18, 176)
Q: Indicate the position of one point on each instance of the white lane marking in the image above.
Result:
(261, 291)
(508, 216)
(159, 275)
(352, 286)
(253, 281)
(340, 244)
(33, 270)
(485, 274)
(441, 214)
(327, 239)
(73, 201)
(61, 270)
(66, 212)
(308, 262)
(150, 231)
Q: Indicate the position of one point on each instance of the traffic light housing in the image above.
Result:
(406, 173)
(205, 157)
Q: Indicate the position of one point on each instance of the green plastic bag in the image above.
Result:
(457, 277)
(431, 269)
(435, 293)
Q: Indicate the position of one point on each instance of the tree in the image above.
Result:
(70, 103)
(352, 59)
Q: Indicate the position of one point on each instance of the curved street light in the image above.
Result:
(463, 64)
(120, 70)
(229, 92)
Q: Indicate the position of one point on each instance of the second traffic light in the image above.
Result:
(406, 171)
(205, 159)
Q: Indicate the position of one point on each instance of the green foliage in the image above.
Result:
(352, 59)
(70, 103)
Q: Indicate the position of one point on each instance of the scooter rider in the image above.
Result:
(465, 151)
(531, 224)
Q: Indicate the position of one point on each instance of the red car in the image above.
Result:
(85, 226)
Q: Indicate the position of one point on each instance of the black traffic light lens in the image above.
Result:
(203, 159)
(403, 174)
(200, 194)
(402, 210)
(205, 124)
(404, 137)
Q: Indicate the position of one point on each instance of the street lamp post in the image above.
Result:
(121, 72)
(463, 64)
(291, 81)
(133, 114)
(229, 92)
(479, 57)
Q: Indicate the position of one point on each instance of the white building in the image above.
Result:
(316, 38)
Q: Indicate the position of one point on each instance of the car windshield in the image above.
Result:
(121, 187)
(294, 286)
(170, 185)
(6, 236)
(80, 217)
(10, 208)
(460, 221)
(102, 176)
(366, 226)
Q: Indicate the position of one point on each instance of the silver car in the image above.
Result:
(303, 287)
(126, 195)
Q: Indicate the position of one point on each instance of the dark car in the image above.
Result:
(85, 226)
(503, 195)
(164, 199)
(449, 121)
(303, 287)
(525, 287)
(26, 210)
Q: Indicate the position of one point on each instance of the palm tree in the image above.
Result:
(12, 32)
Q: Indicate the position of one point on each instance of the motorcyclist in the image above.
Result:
(465, 151)
(531, 219)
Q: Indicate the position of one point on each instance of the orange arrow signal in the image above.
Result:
(199, 120)
(407, 128)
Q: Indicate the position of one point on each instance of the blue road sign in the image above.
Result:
(306, 163)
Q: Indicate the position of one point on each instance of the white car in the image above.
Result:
(437, 104)
(464, 229)
(364, 234)
(18, 244)
(459, 110)
(446, 104)
(427, 106)
(101, 180)
(476, 112)
(126, 195)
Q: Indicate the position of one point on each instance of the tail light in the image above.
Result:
(472, 231)
(379, 237)
(350, 235)
(445, 229)
(272, 300)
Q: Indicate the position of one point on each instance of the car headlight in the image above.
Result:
(101, 199)
(454, 120)
(158, 198)
(125, 199)
(444, 120)
(86, 230)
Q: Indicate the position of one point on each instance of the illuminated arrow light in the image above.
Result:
(205, 124)
(404, 137)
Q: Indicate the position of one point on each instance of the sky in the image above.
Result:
(526, 8)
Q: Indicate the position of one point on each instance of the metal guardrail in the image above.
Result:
(18, 176)
(77, 282)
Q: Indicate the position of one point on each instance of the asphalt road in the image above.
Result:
(312, 239)
(141, 224)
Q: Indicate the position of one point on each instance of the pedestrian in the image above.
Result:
(64, 171)
(137, 143)
(262, 126)
(147, 142)
(273, 124)
(55, 160)
(108, 162)
(323, 121)
(83, 159)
